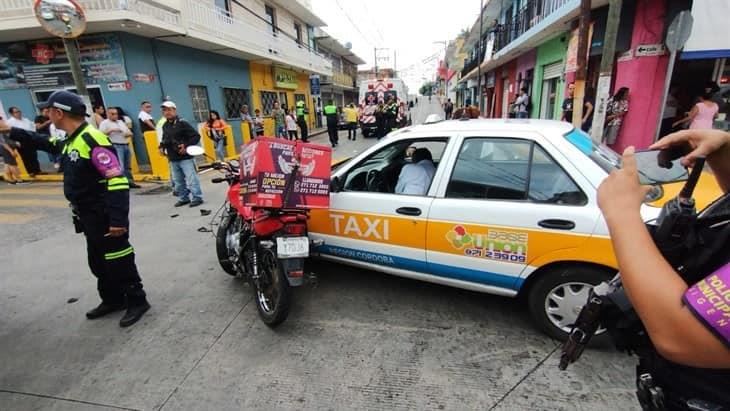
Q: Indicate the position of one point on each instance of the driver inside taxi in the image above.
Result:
(415, 178)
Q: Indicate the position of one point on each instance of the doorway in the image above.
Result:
(505, 98)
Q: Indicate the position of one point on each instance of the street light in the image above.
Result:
(66, 19)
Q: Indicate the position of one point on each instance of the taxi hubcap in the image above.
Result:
(564, 302)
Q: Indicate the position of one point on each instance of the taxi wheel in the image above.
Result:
(557, 296)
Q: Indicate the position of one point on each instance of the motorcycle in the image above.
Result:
(265, 246)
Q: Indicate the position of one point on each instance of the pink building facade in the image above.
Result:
(644, 76)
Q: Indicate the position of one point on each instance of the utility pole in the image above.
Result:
(478, 97)
(582, 72)
(604, 80)
(395, 65)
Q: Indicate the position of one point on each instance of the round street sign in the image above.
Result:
(679, 31)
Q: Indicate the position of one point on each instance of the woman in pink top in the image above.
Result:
(702, 114)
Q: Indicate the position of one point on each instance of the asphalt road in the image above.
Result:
(359, 340)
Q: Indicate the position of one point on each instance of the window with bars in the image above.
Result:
(234, 99)
(201, 105)
(283, 100)
(268, 98)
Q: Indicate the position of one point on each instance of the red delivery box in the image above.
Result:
(266, 167)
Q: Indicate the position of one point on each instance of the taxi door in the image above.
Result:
(505, 202)
(369, 223)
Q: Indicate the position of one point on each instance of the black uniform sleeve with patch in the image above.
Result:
(37, 141)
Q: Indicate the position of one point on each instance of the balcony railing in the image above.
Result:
(197, 20)
(528, 16)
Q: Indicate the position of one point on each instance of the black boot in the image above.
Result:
(134, 313)
(103, 309)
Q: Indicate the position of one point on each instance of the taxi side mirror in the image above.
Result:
(335, 185)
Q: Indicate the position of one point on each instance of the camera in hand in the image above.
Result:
(695, 245)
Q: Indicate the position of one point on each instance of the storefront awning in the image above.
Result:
(710, 36)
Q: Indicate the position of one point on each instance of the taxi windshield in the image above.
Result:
(601, 154)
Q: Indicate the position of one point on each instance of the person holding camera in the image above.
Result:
(679, 333)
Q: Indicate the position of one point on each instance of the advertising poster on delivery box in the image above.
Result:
(267, 164)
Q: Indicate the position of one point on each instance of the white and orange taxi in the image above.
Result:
(511, 210)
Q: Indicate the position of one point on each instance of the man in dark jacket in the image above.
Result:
(95, 185)
(177, 135)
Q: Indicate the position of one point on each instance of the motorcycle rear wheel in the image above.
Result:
(272, 291)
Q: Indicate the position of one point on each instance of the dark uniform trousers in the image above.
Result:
(332, 129)
(302, 123)
(111, 260)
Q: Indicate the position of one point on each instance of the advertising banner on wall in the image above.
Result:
(43, 63)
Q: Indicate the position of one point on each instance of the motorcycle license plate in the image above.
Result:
(292, 247)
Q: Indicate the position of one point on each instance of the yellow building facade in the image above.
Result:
(274, 83)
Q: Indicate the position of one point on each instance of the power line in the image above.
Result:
(373, 21)
(353, 24)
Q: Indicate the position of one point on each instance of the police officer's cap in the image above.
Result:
(65, 101)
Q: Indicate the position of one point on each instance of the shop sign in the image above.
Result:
(646, 50)
(43, 63)
(143, 77)
(626, 56)
(314, 85)
(284, 78)
(119, 86)
(571, 62)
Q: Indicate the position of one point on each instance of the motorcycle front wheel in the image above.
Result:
(227, 241)
(272, 291)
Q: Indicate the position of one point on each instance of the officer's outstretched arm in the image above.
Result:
(38, 141)
(117, 198)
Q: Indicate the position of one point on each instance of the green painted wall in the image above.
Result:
(550, 52)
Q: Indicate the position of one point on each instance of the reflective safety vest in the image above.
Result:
(330, 110)
(300, 109)
(83, 184)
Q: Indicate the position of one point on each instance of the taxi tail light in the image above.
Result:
(295, 229)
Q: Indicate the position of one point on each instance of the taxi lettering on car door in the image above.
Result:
(368, 221)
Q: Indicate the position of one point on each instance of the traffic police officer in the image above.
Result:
(95, 185)
(330, 110)
(301, 120)
(391, 112)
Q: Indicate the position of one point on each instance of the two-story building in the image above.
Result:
(202, 54)
(341, 86)
(534, 44)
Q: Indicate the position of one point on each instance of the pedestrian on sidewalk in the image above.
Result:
(177, 135)
(99, 115)
(448, 109)
(567, 105)
(215, 129)
(302, 119)
(95, 185)
(330, 110)
(522, 104)
(702, 114)
(146, 121)
(279, 120)
(291, 125)
(246, 118)
(27, 154)
(351, 119)
(616, 109)
(118, 133)
(589, 102)
(258, 123)
(9, 152)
